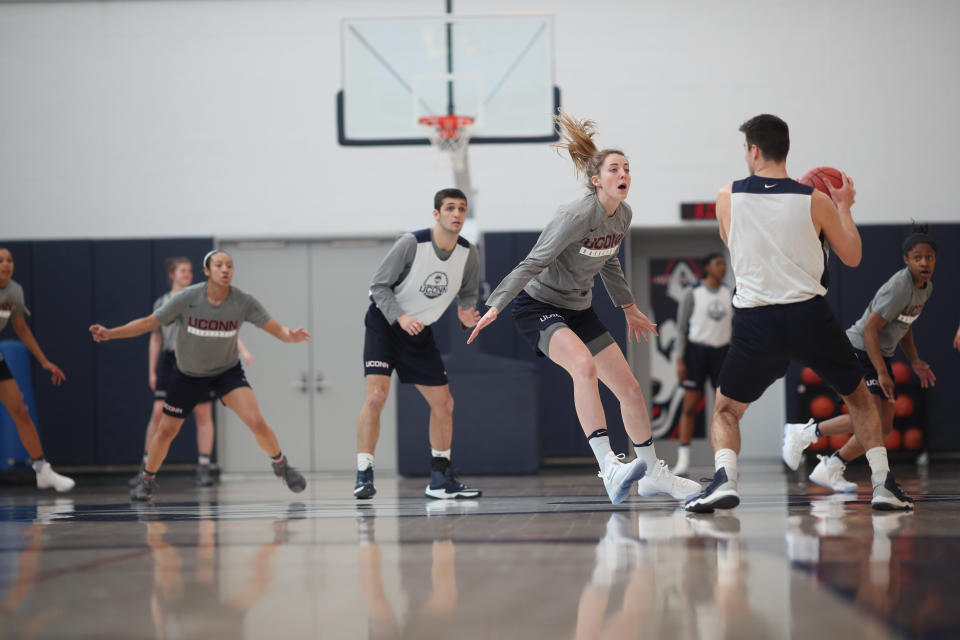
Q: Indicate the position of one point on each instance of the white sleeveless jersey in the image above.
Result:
(432, 283)
(711, 322)
(775, 252)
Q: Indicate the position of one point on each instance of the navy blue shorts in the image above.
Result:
(765, 340)
(387, 347)
(5, 373)
(538, 321)
(703, 362)
(870, 374)
(165, 366)
(185, 392)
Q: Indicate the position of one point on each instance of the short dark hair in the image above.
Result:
(447, 193)
(920, 235)
(709, 258)
(770, 134)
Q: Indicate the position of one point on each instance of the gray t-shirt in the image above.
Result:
(168, 331)
(578, 243)
(11, 304)
(900, 302)
(207, 342)
(396, 265)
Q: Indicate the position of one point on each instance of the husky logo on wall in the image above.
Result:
(670, 278)
(435, 285)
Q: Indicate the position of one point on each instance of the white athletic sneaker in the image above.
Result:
(795, 440)
(47, 478)
(661, 480)
(888, 496)
(829, 473)
(617, 476)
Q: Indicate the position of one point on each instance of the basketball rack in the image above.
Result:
(449, 135)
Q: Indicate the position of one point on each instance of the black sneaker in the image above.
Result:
(143, 492)
(719, 494)
(205, 476)
(135, 480)
(291, 477)
(444, 486)
(364, 489)
(890, 497)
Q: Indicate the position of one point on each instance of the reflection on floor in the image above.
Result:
(536, 557)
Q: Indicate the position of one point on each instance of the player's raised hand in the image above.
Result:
(487, 318)
(845, 195)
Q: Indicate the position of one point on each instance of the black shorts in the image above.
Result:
(5, 373)
(185, 392)
(766, 339)
(387, 347)
(703, 362)
(870, 374)
(165, 366)
(538, 321)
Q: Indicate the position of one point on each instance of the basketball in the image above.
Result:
(810, 377)
(903, 407)
(913, 438)
(822, 407)
(820, 444)
(901, 372)
(837, 442)
(892, 440)
(817, 178)
(844, 409)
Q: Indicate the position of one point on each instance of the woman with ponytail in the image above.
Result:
(551, 291)
(886, 323)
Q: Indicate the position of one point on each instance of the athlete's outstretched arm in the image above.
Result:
(22, 329)
(723, 211)
(286, 334)
(836, 221)
(132, 329)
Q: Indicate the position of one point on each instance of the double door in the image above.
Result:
(309, 393)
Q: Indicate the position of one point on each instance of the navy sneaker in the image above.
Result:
(890, 497)
(205, 477)
(143, 492)
(364, 488)
(444, 486)
(719, 494)
(291, 477)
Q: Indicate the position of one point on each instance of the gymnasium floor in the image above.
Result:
(537, 557)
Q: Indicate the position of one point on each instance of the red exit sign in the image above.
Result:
(698, 211)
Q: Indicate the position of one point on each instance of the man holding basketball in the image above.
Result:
(772, 226)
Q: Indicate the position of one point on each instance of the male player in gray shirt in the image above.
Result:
(418, 279)
(552, 292)
(210, 314)
(886, 322)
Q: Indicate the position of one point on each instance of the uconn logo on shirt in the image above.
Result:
(435, 285)
(716, 311)
(6, 309)
(910, 313)
(212, 328)
(602, 245)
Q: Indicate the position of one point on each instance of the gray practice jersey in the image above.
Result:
(11, 304)
(900, 302)
(578, 243)
(207, 342)
(396, 267)
(168, 331)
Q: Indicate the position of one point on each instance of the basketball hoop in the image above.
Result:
(449, 135)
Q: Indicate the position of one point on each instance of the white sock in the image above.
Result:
(726, 459)
(648, 454)
(364, 460)
(810, 432)
(879, 466)
(38, 464)
(436, 453)
(202, 460)
(683, 455)
(600, 446)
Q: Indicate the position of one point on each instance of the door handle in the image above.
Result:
(320, 383)
(301, 385)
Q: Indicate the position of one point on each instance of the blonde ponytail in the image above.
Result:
(576, 136)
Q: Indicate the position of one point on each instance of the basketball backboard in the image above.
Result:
(497, 69)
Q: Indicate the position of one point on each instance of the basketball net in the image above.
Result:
(450, 136)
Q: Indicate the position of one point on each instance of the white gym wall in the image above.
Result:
(122, 119)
